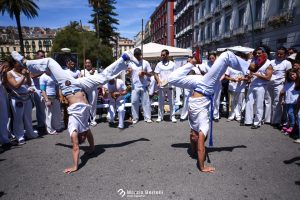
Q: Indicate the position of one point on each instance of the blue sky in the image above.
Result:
(59, 13)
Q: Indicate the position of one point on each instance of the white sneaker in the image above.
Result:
(134, 121)
(230, 119)
(121, 127)
(93, 123)
(148, 120)
(297, 141)
(130, 56)
(174, 120)
(17, 57)
(53, 132)
(158, 119)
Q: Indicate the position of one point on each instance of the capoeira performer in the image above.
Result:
(50, 97)
(79, 109)
(203, 89)
(92, 94)
(161, 73)
(116, 89)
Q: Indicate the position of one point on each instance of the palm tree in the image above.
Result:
(14, 8)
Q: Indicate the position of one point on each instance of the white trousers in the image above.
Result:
(273, 108)
(53, 116)
(217, 96)
(161, 95)
(140, 95)
(40, 108)
(22, 120)
(117, 105)
(4, 133)
(255, 96)
(92, 96)
(206, 84)
(184, 111)
(86, 83)
(236, 104)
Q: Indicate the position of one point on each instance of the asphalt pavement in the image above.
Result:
(151, 161)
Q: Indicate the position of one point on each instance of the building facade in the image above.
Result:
(162, 23)
(122, 45)
(223, 23)
(184, 23)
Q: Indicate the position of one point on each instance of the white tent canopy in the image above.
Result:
(237, 48)
(152, 50)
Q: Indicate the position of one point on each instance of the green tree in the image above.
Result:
(14, 8)
(74, 38)
(103, 18)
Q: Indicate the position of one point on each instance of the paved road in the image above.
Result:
(250, 164)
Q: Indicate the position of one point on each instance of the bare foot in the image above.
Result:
(70, 170)
(207, 169)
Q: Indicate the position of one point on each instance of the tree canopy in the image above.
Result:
(79, 41)
(104, 21)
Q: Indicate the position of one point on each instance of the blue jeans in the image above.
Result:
(290, 109)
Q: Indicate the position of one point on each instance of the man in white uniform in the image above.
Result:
(273, 111)
(92, 94)
(37, 98)
(116, 89)
(79, 110)
(52, 105)
(257, 88)
(162, 71)
(139, 88)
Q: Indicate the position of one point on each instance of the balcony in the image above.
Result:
(258, 25)
(227, 35)
(216, 38)
(284, 17)
(217, 9)
(201, 20)
(227, 3)
(239, 31)
(208, 15)
(207, 41)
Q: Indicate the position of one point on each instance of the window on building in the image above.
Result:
(217, 2)
(196, 35)
(283, 5)
(208, 33)
(203, 10)
(258, 10)
(217, 28)
(2, 50)
(209, 6)
(7, 49)
(202, 35)
(241, 16)
(227, 23)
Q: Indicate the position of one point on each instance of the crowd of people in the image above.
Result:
(264, 93)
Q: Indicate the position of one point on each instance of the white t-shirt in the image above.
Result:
(86, 73)
(258, 81)
(75, 73)
(279, 69)
(291, 95)
(137, 81)
(164, 70)
(235, 86)
(49, 83)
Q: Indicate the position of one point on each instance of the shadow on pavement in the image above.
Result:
(2, 193)
(291, 160)
(208, 149)
(99, 149)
